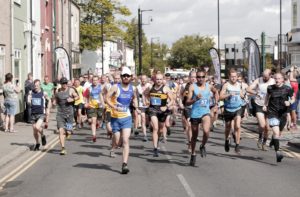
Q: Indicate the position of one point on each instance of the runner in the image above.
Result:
(141, 88)
(259, 88)
(37, 101)
(158, 97)
(119, 98)
(187, 109)
(48, 87)
(198, 97)
(232, 95)
(94, 104)
(294, 83)
(279, 97)
(79, 104)
(64, 98)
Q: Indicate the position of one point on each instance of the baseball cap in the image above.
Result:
(63, 80)
(126, 70)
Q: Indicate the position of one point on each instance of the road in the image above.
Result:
(87, 170)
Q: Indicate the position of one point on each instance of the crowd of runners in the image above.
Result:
(124, 104)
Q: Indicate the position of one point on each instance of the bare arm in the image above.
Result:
(110, 93)
(189, 100)
(216, 93)
(223, 94)
(253, 86)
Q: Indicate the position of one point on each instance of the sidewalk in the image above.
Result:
(13, 145)
(289, 138)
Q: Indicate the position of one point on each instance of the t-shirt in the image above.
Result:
(9, 91)
(79, 90)
(48, 88)
(278, 95)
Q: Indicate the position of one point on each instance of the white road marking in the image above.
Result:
(27, 164)
(186, 185)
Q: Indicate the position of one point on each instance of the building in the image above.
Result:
(294, 40)
(234, 58)
(5, 39)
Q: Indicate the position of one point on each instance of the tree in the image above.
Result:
(96, 12)
(191, 51)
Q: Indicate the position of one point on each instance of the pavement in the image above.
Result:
(288, 138)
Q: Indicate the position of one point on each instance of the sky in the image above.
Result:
(172, 19)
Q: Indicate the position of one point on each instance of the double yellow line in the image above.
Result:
(27, 164)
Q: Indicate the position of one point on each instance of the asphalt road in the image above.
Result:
(87, 170)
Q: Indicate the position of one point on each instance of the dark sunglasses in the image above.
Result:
(202, 77)
(126, 75)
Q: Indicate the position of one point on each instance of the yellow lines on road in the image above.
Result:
(27, 164)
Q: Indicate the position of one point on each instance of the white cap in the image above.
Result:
(126, 70)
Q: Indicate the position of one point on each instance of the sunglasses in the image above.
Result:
(200, 77)
(126, 75)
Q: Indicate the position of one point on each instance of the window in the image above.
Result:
(226, 50)
(17, 63)
(294, 14)
(232, 50)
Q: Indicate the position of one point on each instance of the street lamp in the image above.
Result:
(140, 23)
(151, 49)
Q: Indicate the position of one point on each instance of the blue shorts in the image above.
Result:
(294, 106)
(10, 107)
(118, 124)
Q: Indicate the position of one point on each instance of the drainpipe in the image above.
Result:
(62, 23)
(31, 39)
(12, 55)
(70, 38)
(54, 41)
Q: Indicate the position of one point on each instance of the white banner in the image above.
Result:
(62, 63)
(216, 61)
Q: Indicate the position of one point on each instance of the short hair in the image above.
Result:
(201, 70)
(8, 77)
(232, 70)
(36, 80)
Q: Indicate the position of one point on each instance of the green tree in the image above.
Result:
(191, 51)
(95, 12)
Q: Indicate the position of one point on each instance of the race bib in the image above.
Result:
(234, 99)
(203, 102)
(122, 108)
(69, 126)
(36, 101)
(155, 101)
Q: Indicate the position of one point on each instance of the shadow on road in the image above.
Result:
(96, 167)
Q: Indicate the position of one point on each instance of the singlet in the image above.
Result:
(94, 96)
(262, 90)
(158, 98)
(64, 107)
(122, 100)
(140, 91)
(201, 106)
(233, 103)
(79, 90)
(37, 102)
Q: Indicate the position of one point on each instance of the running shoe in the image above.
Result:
(125, 168)
(63, 151)
(46, 126)
(136, 132)
(112, 154)
(155, 153)
(237, 149)
(264, 147)
(193, 160)
(259, 144)
(227, 147)
(94, 139)
(36, 147)
(97, 125)
(145, 139)
(279, 156)
(44, 141)
(202, 151)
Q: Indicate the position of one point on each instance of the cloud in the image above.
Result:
(173, 19)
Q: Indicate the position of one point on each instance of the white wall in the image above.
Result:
(36, 40)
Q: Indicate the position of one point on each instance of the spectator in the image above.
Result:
(10, 102)
(28, 87)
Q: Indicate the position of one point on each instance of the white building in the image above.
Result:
(294, 42)
(116, 53)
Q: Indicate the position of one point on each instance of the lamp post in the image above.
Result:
(151, 49)
(102, 46)
(140, 24)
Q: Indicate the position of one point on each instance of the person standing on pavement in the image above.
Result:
(199, 96)
(161, 98)
(29, 86)
(10, 92)
(294, 83)
(65, 97)
(277, 101)
(94, 104)
(119, 98)
(48, 87)
(37, 100)
(232, 94)
(259, 89)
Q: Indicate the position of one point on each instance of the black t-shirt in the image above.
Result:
(278, 95)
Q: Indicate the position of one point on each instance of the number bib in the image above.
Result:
(155, 101)
(122, 108)
(203, 102)
(234, 99)
(36, 101)
(69, 126)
